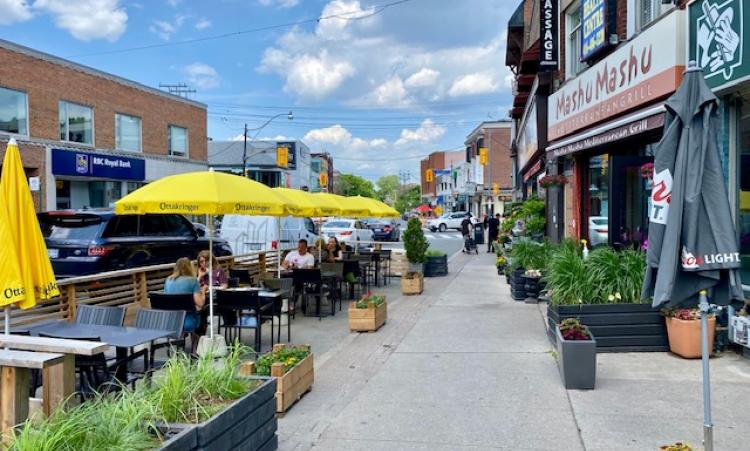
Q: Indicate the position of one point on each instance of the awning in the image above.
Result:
(634, 124)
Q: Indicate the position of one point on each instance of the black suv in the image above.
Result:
(82, 242)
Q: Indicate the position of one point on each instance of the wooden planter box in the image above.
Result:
(685, 337)
(436, 266)
(577, 362)
(412, 286)
(248, 423)
(290, 386)
(367, 319)
(617, 327)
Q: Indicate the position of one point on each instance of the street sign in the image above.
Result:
(282, 157)
(718, 42)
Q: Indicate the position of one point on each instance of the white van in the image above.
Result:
(247, 234)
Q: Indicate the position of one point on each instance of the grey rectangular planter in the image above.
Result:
(577, 362)
(617, 327)
(249, 423)
(436, 266)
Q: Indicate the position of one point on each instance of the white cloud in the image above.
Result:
(279, 3)
(174, 3)
(308, 76)
(427, 132)
(340, 15)
(165, 29)
(202, 76)
(335, 135)
(14, 11)
(391, 93)
(89, 19)
(424, 78)
(473, 84)
(202, 24)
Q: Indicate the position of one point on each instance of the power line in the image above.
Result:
(376, 10)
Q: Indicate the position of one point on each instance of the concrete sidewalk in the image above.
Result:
(464, 367)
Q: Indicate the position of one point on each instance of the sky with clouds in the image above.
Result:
(377, 87)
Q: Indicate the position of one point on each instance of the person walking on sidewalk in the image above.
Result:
(493, 230)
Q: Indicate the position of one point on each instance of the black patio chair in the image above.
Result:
(171, 320)
(311, 283)
(232, 304)
(176, 302)
(286, 285)
(100, 315)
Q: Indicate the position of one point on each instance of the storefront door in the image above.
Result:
(629, 200)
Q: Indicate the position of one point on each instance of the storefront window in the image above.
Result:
(13, 117)
(127, 132)
(743, 212)
(76, 123)
(178, 141)
(574, 65)
(598, 200)
(104, 194)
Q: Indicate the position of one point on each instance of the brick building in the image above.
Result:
(436, 161)
(89, 136)
(493, 181)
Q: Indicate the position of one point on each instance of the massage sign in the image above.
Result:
(548, 32)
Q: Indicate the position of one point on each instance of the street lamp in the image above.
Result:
(289, 115)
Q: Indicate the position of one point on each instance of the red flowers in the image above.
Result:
(552, 180)
(572, 329)
(647, 171)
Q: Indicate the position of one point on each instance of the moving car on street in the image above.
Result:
(347, 230)
(385, 229)
(82, 242)
(448, 221)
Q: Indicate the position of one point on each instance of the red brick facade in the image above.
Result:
(47, 83)
(436, 160)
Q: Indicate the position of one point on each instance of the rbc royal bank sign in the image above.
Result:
(548, 39)
(87, 164)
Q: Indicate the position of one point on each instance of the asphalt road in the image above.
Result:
(449, 242)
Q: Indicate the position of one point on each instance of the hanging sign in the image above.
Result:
(593, 27)
(548, 40)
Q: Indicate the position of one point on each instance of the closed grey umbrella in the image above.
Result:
(692, 245)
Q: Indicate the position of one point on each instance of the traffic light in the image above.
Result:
(429, 176)
(323, 179)
(495, 189)
(282, 157)
(484, 158)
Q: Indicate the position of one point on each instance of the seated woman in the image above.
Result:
(219, 279)
(183, 281)
(332, 252)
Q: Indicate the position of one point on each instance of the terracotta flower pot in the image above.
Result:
(685, 337)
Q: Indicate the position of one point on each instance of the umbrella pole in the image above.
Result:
(708, 427)
(278, 250)
(7, 320)
(210, 274)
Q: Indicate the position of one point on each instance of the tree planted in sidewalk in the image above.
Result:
(415, 242)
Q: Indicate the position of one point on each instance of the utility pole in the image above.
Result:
(244, 152)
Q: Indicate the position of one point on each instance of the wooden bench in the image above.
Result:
(58, 380)
(14, 383)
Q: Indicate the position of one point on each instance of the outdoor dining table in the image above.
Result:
(267, 297)
(123, 338)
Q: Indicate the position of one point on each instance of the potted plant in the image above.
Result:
(604, 292)
(202, 403)
(368, 314)
(416, 245)
(533, 282)
(549, 181)
(501, 262)
(679, 446)
(292, 366)
(684, 332)
(436, 263)
(576, 349)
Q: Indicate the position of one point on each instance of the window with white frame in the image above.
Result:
(127, 132)
(14, 116)
(76, 123)
(178, 141)
(573, 63)
(647, 11)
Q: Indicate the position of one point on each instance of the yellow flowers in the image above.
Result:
(612, 297)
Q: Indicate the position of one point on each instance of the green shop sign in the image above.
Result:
(720, 40)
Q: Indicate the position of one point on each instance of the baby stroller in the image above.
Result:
(470, 245)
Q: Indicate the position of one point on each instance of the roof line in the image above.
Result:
(13, 47)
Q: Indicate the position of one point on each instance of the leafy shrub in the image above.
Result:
(434, 253)
(530, 255)
(288, 355)
(415, 242)
(572, 329)
(370, 299)
(567, 277)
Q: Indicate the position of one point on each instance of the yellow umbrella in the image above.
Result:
(377, 208)
(23, 234)
(306, 204)
(12, 289)
(348, 206)
(204, 193)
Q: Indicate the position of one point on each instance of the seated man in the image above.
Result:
(300, 259)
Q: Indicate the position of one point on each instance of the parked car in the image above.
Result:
(385, 229)
(347, 230)
(448, 221)
(598, 230)
(82, 242)
(246, 234)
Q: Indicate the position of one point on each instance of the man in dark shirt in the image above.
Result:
(493, 229)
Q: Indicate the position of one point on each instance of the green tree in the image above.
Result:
(352, 185)
(388, 187)
(408, 199)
